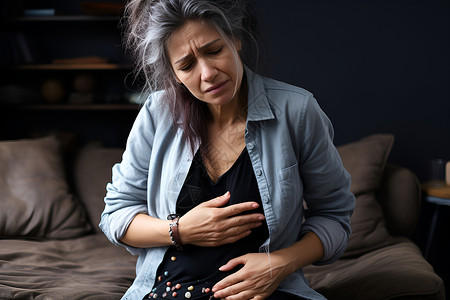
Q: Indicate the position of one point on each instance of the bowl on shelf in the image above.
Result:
(102, 9)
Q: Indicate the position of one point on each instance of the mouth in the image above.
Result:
(216, 87)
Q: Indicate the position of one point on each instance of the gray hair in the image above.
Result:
(151, 23)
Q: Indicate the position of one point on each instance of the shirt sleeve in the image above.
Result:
(326, 183)
(126, 195)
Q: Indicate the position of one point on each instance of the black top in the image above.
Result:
(198, 267)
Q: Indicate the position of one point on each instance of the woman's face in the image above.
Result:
(204, 63)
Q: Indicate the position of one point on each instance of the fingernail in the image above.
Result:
(227, 194)
(262, 218)
(255, 205)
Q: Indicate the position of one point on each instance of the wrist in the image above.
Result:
(309, 246)
(174, 232)
(281, 259)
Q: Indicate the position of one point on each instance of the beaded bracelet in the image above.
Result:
(173, 231)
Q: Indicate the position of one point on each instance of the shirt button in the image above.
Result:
(259, 172)
(265, 199)
(251, 146)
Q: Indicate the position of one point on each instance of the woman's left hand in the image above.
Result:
(257, 279)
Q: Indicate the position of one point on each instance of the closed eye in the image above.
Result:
(215, 52)
(186, 67)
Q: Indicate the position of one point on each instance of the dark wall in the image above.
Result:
(374, 66)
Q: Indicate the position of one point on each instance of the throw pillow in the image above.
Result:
(93, 168)
(34, 199)
(365, 161)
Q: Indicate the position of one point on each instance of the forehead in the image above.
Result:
(190, 37)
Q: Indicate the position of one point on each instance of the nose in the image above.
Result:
(208, 70)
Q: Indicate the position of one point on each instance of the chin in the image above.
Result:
(219, 101)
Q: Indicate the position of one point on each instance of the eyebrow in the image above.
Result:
(200, 49)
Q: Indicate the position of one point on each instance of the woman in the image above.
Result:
(210, 190)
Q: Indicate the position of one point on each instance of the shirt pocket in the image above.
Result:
(291, 189)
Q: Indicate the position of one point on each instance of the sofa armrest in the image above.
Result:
(400, 198)
(92, 172)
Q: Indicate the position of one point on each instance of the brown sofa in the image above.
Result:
(51, 247)
(380, 262)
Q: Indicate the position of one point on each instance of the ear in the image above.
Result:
(176, 78)
(238, 44)
(178, 81)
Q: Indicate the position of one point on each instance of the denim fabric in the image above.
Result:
(290, 143)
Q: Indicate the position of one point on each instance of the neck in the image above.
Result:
(232, 112)
(224, 115)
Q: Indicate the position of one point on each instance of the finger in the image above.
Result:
(226, 236)
(243, 290)
(235, 291)
(231, 234)
(233, 263)
(236, 209)
(238, 229)
(215, 242)
(233, 278)
(244, 219)
(218, 201)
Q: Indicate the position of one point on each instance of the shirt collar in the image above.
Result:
(258, 104)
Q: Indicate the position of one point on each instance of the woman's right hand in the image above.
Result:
(209, 224)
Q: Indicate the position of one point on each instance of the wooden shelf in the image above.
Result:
(79, 107)
(66, 18)
(63, 44)
(99, 66)
(437, 189)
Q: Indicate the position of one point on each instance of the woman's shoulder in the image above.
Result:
(276, 87)
(275, 90)
(156, 104)
(287, 97)
(154, 100)
(154, 109)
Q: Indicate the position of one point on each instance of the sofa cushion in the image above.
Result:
(87, 267)
(365, 161)
(93, 170)
(397, 271)
(34, 199)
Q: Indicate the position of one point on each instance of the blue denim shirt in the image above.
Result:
(290, 143)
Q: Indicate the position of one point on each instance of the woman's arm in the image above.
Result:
(326, 184)
(305, 252)
(208, 225)
(126, 195)
(262, 273)
(139, 234)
